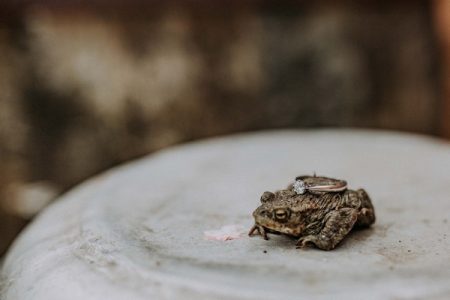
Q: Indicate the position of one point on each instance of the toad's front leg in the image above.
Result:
(260, 230)
(338, 223)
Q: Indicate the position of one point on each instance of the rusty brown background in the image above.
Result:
(85, 86)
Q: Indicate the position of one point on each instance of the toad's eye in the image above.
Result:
(281, 214)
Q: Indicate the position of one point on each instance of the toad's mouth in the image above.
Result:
(264, 228)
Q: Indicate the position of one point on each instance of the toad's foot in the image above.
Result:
(366, 216)
(304, 241)
(260, 229)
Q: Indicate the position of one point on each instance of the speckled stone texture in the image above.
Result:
(136, 232)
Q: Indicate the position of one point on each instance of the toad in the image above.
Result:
(315, 214)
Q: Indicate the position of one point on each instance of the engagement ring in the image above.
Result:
(318, 184)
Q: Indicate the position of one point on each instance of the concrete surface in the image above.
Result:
(136, 232)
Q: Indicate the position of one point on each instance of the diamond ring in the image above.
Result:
(318, 184)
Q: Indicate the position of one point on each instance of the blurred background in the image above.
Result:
(87, 85)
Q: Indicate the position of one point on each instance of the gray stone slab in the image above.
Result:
(136, 232)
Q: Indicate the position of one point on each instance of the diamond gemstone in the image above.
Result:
(299, 187)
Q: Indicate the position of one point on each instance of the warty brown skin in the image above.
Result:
(320, 219)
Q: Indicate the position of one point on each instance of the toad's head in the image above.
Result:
(279, 212)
